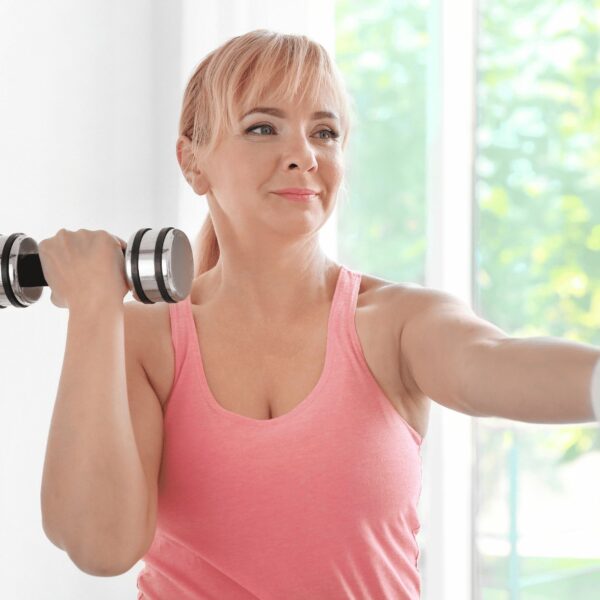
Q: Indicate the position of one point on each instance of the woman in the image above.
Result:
(286, 471)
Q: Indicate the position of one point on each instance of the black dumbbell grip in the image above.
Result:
(29, 271)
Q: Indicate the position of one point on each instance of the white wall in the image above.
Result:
(90, 94)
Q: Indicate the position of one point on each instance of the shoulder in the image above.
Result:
(141, 319)
(412, 308)
(396, 300)
(409, 299)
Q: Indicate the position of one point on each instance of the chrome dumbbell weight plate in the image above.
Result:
(12, 249)
(159, 267)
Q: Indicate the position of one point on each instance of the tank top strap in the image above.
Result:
(182, 324)
(343, 309)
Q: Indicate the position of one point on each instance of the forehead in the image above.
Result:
(321, 107)
(322, 113)
(279, 102)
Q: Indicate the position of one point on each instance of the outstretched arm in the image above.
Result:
(536, 379)
(468, 364)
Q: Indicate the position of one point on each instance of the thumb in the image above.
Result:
(123, 243)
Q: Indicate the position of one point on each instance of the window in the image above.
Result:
(537, 528)
(475, 167)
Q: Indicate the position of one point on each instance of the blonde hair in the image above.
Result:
(240, 71)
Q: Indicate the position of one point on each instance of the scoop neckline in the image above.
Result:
(303, 405)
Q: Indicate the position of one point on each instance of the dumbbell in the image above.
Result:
(159, 266)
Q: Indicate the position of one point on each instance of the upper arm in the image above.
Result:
(439, 341)
(146, 413)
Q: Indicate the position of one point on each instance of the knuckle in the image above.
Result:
(108, 237)
(45, 244)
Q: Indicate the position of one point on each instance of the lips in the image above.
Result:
(297, 191)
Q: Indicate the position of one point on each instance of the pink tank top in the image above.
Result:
(317, 504)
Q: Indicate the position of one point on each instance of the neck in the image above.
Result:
(266, 290)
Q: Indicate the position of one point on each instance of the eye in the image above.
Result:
(257, 127)
(332, 134)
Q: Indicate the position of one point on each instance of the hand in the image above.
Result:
(84, 267)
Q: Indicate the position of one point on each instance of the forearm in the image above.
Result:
(540, 380)
(596, 391)
(93, 489)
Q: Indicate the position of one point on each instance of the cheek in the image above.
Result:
(335, 173)
(242, 173)
(252, 164)
(246, 181)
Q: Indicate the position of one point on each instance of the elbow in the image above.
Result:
(99, 568)
(110, 560)
(97, 554)
(85, 560)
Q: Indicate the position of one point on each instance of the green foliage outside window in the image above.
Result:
(537, 220)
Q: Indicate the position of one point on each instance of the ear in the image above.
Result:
(185, 159)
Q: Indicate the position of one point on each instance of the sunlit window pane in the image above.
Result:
(537, 525)
(381, 49)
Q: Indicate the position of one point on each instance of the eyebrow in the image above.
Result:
(320, 114)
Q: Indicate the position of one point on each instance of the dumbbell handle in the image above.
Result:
(30, 272)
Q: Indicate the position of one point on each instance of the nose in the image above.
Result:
(300, 154)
